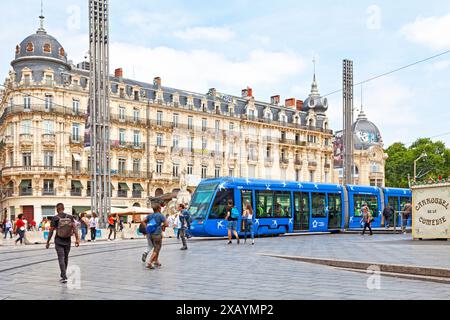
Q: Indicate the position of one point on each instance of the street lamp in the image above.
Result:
(423, 155)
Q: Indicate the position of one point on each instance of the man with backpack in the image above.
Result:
(185, 224)
(232, 216)
(65, 227)
(155, 223)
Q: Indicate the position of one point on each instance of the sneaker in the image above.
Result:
(157, 265)
(229, 242)
(184, 248)
(150, 266)
(253, 242)
(238, 241)
(144, 256)
(63, 280)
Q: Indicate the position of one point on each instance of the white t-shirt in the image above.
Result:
(93, 223)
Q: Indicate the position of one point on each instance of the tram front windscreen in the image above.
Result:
(201, 201)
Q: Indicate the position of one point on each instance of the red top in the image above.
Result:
(20, 224)
(33, 223)
(111, 220)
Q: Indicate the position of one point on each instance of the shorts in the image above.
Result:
(157, 242)
(232, 225)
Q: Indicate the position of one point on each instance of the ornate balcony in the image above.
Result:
(26, 139)
(49, 140)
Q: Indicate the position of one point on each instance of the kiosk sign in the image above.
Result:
(431, 211)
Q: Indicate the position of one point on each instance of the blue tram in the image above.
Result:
(285, 207)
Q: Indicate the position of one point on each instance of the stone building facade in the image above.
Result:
(158, 134)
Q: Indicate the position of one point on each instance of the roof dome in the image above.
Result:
(315, 102)
(40, 45)
(365, 133)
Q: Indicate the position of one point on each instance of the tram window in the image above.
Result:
(393, 203)
(318, 205)
(264, 204)
(282, 205)
(302, 203)
(246, 199)
(201, 200)
(370, 200)
(404, 201)
(218, 210)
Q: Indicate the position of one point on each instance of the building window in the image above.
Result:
(136, 115)
(48, 159)
(75, 106)
(311, 176)
(26, 126)
(30, 47)
(122, 166)
(159, 117)
(75, 132)
(190, 122)
(137, 138)
(231, 172)
(27, 103)
(217, 172)
(26, 159)
(175, 120)
(122, 113)
(327, 142)
(231, 148)
(231, 126)
(297, 175)
(136, 166)
(159, 139)
(204, 143)
(217, 126)
(47, 48)
(122, 137)
(268, 152)
(176, 141)
(190, 144)
(312, 139)
(204, 124)
(49, 127)
(190, 169)
(217, 147)
(175, 170)
(251, 114)
(76, 163)
(159, 167)
(48, 102)
(11, 158)
(48, 187)
(204, 172)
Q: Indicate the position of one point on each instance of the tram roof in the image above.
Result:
(398, 192)
(275, 184)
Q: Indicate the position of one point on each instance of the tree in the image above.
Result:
(401, 162)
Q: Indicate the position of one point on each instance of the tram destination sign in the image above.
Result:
(431, 211)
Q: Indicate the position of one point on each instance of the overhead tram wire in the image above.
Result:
(393, 71)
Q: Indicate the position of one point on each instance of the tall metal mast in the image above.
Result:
(348, 122)
(99, 109)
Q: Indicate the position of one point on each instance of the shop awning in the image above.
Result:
(123, 186)
(77, 184)
(76, 157)
(137, 187)
(25, 184)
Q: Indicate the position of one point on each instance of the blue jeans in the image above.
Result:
(83, 233)
(248, 225)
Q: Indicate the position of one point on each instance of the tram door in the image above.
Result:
(302, 214)
(246, 198)
(334, 211)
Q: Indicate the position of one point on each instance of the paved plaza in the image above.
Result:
(213, 270)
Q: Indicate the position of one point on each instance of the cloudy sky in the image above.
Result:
(269, 45)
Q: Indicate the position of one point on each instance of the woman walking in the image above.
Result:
(84, 226)
(7, 228)
(20, 228)
(93, 224)
(367, 219)
(248, 223)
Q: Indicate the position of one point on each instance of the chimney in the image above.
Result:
(118, 73)
(247, 93)
(212, 92)
(275, 100)
(299, 105)
(290, 103)
(157, 82)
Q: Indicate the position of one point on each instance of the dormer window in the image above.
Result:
(62, 53)
(47, 48)
(30, 47)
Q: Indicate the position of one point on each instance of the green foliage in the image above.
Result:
(401, 162)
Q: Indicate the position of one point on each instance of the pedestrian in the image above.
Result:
(367, 219)
(185, 224)
(155, 225)
(33, 225)
(65, 227)
(388, 212)
(248, 222)
(84, 226)
(232, 216)
(121, 225)
(111, 227)
(407, 211)
(20, 228)
(93, 224)
(7, 228)
(176, 225)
